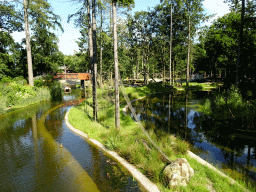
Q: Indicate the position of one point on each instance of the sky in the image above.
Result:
(67, 39)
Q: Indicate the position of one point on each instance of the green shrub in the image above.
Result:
(41, 94)
(56, 92)
(3, 106)
(206, 107)
(5, 80)
(39, 83)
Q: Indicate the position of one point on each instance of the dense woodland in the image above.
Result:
(168, 40)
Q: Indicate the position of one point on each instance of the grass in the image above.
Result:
(141, 153)
(198, 86)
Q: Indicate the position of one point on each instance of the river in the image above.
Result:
(39, 153)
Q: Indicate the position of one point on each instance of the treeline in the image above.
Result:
(43, 42)
(168, 40)
(144, 38)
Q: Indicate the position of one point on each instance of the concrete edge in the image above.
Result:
(205, 163)
(142, 179)
(194, 156)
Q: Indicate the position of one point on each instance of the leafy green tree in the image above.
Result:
(247, 10)
(10, 19)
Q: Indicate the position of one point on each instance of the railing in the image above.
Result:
(66, 76)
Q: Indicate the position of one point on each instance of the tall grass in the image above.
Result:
(42, 94)
(3, 106)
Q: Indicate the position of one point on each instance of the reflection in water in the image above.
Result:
(216, 142)
(33, 161)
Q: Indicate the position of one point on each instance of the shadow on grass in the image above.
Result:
(193, 87)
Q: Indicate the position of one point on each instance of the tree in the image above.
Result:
(29, 58)
(194, 9)
(170, 64)
(117, 111)
(10, 19)
(246, 9)
(95, 104)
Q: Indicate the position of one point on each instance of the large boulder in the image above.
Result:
(178, 172)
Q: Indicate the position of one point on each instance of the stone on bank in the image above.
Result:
(178, 173)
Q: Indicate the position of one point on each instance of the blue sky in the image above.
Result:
(67, 39)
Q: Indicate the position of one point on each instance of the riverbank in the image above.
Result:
(141, 154)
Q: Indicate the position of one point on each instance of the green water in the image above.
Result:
(32, 159)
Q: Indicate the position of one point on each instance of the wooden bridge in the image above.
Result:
(72, 76)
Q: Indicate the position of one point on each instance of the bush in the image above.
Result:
(56, 92)
(41, 94)
(3, 106)
(39, 83)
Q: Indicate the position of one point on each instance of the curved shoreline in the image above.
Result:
(194, 156)
(142, 179)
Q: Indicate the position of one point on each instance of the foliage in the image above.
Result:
(16, 93)
(10, 19)
(230, 107)
(56, 92)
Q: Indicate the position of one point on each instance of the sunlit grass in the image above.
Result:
(132, 144)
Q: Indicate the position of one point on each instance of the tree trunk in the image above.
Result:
(29, 58)
(90, 33)
(173, 73)
(137, 67)
(117, 112)
(170, 78)
(240, 45)
(188, 50)
(101, 48)
(95, 104)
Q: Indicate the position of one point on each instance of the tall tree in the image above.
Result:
(170, 63)
(194, 9)
(117, 110)
(29, 57)
(94, 84)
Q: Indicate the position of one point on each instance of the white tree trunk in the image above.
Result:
(171, 49)
(29, 58)
(117, 112)
(90, 33)
(188, 50)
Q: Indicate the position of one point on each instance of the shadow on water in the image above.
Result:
(219, 143)
(33, 160)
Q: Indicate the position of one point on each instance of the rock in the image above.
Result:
(178, 172)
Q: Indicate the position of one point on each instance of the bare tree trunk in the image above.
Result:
(137, 67)
(101, 49)
(90, 33)
(29, 58)
(117, 112)
(171, 48)
(95, 103)
(240, 45)
(188, 50)
(173, 73)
